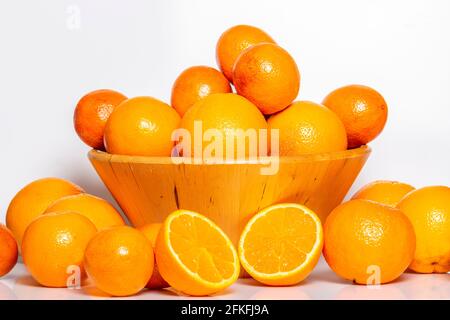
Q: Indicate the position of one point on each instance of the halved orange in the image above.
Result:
(194, 255)
(281, 244)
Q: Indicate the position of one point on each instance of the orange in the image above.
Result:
(53, 244)
(100, 212)
(233, 42)
(194, 255)
(141, 126)
(119, 260)
(33, 199)
(362, 110)
(384, 192)
(367, 242)
(227, 114)
(151, 231)
(307, 127)
(429, 211)
(8, 251)
(281, 244)
(194, 84)
(268, 76)
(91, 114)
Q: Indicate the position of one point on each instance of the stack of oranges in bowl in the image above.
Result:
(66, 235)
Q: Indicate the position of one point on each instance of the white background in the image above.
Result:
(48, 61)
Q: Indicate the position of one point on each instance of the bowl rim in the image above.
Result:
(337, 155)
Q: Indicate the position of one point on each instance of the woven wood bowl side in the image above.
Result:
(149, 188)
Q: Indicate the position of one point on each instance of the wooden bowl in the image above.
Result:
(149, 188)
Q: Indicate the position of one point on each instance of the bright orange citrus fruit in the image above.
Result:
(91, 114)
(101, 213)
(429, 211)
(228, 114)
(151, 231)
(233, 42)
(119, 260)
(194, 255)
(385, 192)
(307, 127)
(196, 83)
(363, 111)
(8, 251)
(53, 244)
(268, 76)
(33, 199)
(281, 244)
(141, 126)
(367, 242)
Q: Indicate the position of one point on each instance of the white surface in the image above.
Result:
(55, 51)
(321, 284)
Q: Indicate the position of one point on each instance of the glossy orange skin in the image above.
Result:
(385, 192)
(225, 112)
(307, 127)
(361, 235)
(196, 83)
(151, 231)
(119, 260)
(101, 213)
(141, 126)
(54, 242)
(429, 211)
(33, 199)
(268, 76)
(362, 110)
(91, 114)
(8, 251)
(233, 42)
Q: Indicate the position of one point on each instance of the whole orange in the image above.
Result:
(386, 192)
(233, 42)
(194, 84)
(53, 247)
(119, 260)
(33, 199)
(268, 76)
(429, 211)
(362, 110)
(141, 126)
(307, 127)
(8, 251)
(226, 115)
(367, 242)
(151, 231)
(101, 213)
(91, 114)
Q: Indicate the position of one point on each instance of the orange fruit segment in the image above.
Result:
(151, 232)
(32, 200)
(281, 244)
(55, 242)
(428, 209)
(268, 76)
(8, 251)
(141, 126)
(196, 83)
(307, 127)
(119, 261)
(367, 242)
(233, 42)
(194, 255)
(101, 213)
(385, 192)
(92, 113)
(362, 110)
(227, 114)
